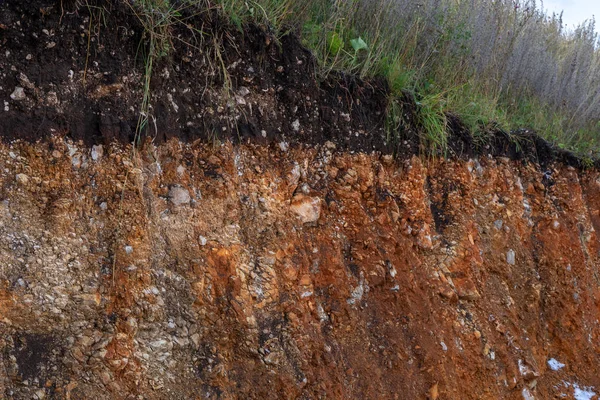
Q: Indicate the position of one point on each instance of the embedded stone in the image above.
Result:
(307, 208)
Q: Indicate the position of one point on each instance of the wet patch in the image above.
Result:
(439, 193)
(33, 353)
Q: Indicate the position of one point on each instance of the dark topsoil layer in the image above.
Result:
(81, 65)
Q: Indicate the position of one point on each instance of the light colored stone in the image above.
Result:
(18, 94)
(22, 179)
(424, 240)
(24, 81)
(555, 365)
(296, 125)
(76, 160)
(179, 196)
(52, 99)
(97, 152)
(243, 91)
(510, 257)
(307, 208)
(196, 339)
(527, 394)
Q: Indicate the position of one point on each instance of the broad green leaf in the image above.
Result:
(358, 44)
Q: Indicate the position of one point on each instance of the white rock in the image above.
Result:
(179, 195)
(97, 152)
(583, 394)
(18, 94)
(296, 125)
(357, 294)
(527, 394)
(202, 241)
(556, 225)
(243, 91)
(555, 365)
(393, 271)
(510, 257)
(173, 104)
(76, 160)
(424, 241)
(72, 149)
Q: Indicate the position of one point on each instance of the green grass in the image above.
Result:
(431, 115)
(157, 17)
(427, 53)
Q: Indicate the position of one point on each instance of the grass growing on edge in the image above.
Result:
(431, 116)
(157, 17)
(503, 64)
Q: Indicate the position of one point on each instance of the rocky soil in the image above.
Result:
(192, 271)
(254, 245)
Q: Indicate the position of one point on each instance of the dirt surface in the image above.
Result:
(188, 271)
(254, 245)
(76, 69)
(82, 74)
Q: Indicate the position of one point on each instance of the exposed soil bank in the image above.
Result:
(254, 245)
(253, 272)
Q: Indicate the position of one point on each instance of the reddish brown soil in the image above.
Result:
(252, 272)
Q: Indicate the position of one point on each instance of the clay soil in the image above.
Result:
(189, 271)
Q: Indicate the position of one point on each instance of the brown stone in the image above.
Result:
(434, 392)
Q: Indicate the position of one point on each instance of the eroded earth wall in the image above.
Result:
(190, 271)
